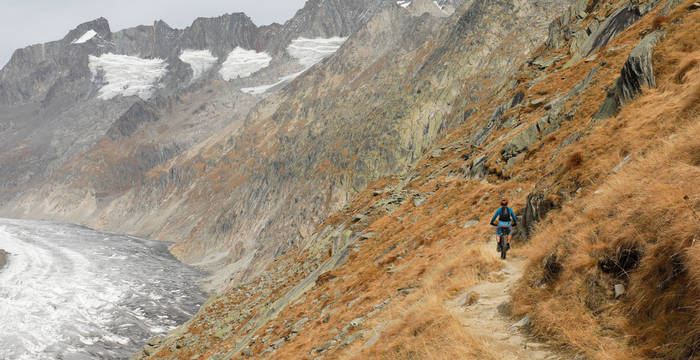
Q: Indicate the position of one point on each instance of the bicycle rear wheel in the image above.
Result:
(504, 245)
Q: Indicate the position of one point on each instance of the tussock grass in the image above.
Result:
(421, 325)
(639, 230)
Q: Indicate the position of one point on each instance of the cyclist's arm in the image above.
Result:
(515, 219)
(494, 218)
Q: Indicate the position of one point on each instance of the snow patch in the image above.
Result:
(310, 51)
(127, 75)
(243, 63)
(259, 90)
(404, 4)
(200, 61)
(438, 5)
(86, 37)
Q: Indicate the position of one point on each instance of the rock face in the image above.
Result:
(636, 73)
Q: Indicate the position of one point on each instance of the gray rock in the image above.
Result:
(637, 72)
(621, 164)
(520, 142)
(538, 101)
(470, 223)
(366, 236)
(358, 217)
(419, 199)
(522, 323)
(591, 58)
(619, 290)
(477, 169)
(468, 299)
(505, 309)
(544, 63)
(611, 27)
(357, 322)
(536, 207)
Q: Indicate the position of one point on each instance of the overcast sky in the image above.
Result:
(27, 22)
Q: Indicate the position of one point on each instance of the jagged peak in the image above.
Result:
(100, 26)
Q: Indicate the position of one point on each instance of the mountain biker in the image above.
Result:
(506, 221)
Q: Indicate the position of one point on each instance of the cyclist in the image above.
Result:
(506, 221)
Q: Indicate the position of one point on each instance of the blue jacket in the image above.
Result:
(513, 219)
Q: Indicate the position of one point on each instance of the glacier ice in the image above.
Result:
(200, 61)
(243, 63)
(259, 90)
(69, 290)
(127, 75)
(310, 51)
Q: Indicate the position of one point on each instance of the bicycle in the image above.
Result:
(503, 244)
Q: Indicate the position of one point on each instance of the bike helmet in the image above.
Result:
(504, 202)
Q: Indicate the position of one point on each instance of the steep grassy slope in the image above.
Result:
(606, 186)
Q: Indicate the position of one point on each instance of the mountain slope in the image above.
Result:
(578, 161)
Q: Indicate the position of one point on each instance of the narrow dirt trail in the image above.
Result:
(486, 322)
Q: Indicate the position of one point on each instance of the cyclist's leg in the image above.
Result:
(498, 238)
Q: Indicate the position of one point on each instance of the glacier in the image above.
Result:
(127, 75)
(311, 51)
(243, 63)
(68, 292)
(200, 61)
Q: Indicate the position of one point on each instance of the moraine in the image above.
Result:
(68, 292)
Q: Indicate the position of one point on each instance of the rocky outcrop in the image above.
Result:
(128, 123)
(637, 72)
(537, 205)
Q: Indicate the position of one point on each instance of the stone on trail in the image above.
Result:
(469, 299)
(523, 322)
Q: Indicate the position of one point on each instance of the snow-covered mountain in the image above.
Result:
(59, 98)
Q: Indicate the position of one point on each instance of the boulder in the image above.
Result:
(637, 72)
(537, 206)
(616, 23)
(478, 167)
(520, 142)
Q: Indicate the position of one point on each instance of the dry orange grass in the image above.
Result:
(422, 327)
(639, 231)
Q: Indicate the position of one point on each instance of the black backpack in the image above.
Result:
(504, 215)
